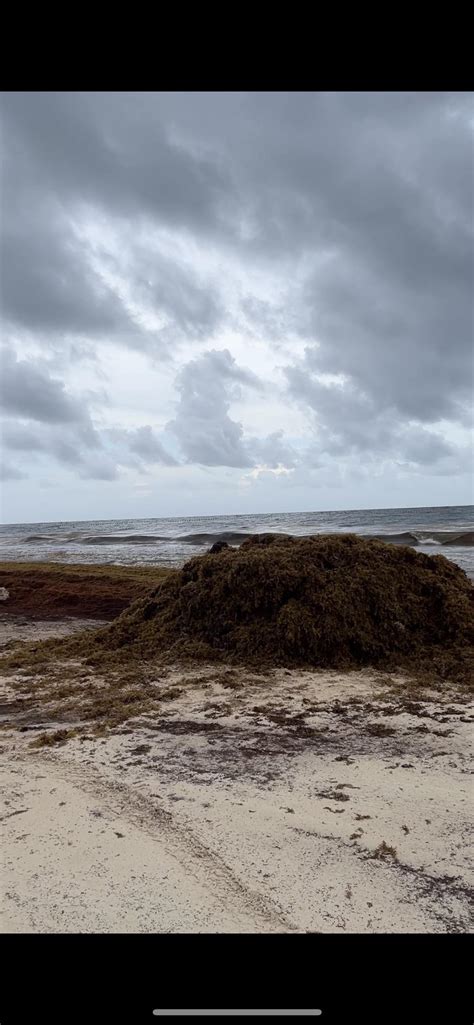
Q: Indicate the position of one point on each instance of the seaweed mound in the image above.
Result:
(327, 600)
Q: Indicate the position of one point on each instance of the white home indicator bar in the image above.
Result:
(233, 1011)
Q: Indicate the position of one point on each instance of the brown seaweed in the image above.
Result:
(324, 601)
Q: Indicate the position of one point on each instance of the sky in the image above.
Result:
(235, 302)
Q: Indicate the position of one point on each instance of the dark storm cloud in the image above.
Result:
(29, 391)
(357, 208)
(407, 347)
(371, 197)
(272, 321)
(379, 191)
(111, 150)
(348, 421)
(46, 284)
(66, 151)
(423, 447)
(192, 308)
(46, 420)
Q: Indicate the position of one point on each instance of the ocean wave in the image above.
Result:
(405, 538)
(117, 539)
(420, 537)
(411, 538)
(232, 538)
(465, 539)
(36, 538)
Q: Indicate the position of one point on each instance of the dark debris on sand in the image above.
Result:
(54, 590)
(336, 601)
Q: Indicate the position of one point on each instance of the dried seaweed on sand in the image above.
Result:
(324, 601)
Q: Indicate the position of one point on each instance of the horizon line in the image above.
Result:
(209, 516)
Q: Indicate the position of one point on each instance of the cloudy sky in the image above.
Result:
(232, 302)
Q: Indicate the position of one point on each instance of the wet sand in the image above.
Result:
(286, 802)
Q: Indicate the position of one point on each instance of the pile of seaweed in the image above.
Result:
(324, 601)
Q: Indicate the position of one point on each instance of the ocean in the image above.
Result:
(448, 530)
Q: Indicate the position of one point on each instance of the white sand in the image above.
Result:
(230, 821)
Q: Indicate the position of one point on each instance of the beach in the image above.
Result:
(237, 538)
(281, 800)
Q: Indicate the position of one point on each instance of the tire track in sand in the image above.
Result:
(208, 869)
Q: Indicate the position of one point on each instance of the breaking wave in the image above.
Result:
(420, 537)
(451, 537)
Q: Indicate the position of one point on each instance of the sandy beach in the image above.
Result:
(287, 801)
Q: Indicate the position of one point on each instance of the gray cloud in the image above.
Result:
(202, 425)
(47, 284)
(69, 445)
(423, 447)
(193, 310)
(347, 420)
(377, 194)
(29, 391)
(170, 287)
(99, 469)
(273, 451)
(9, 472)
(372, 198)
(146, 445)
(21, 437)
(111, 150)
(65, 152)
(343, 221)
(406, 347)
(142, 442)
